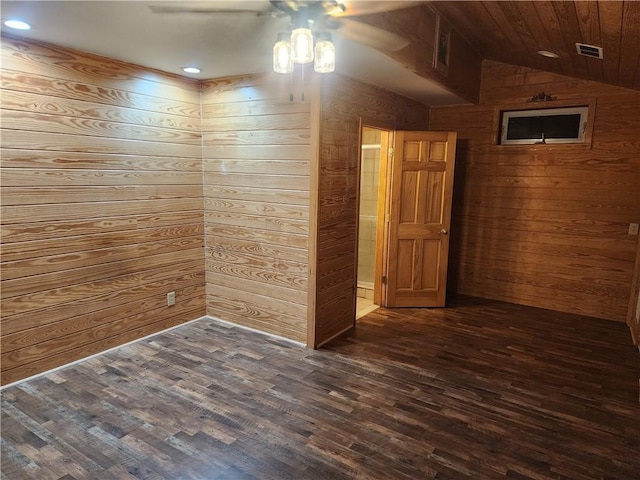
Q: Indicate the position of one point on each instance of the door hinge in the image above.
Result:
(390, 152)
(387, 217)
(384, 279)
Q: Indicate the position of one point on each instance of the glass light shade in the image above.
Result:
(302, 45)
(282, 58)
(325, 54)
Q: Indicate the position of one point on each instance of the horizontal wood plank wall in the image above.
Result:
(545, 226)
(256, 188)
(345, 103)
(101, 205)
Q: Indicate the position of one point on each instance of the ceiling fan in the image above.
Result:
(318, 18)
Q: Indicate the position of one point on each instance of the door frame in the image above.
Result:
(382, 221)
(384, 186)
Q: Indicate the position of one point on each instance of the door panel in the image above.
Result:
(431, 249)
(433, 201)
(406, 255)
(419, 219)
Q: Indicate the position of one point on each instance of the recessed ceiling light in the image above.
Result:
(548, 54)
(18, 24)
(191, 69)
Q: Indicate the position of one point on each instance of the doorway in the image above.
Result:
(404, 216)
(372, 185)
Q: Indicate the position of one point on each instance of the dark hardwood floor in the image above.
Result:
(479, 390)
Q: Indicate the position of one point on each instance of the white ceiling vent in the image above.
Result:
(589, 50)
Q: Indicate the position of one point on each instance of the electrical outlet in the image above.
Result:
(171, 298)
(633, 229)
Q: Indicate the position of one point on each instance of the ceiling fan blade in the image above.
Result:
(209, 8)
(371, 36)
(356, 8)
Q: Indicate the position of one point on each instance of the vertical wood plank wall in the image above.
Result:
(257, 186)
(101, 205)
(344, 103)
(545, 226)
(633, 310)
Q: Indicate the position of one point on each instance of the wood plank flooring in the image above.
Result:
(479, 390)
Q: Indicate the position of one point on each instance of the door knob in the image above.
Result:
(444, 231)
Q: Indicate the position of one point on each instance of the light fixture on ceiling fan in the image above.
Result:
(299, 47)
(301, 50)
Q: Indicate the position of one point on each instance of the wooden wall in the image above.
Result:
(257, 157)
(418, 25)
(101, 205)
(345, 103)
(633, 310)
(545, 225)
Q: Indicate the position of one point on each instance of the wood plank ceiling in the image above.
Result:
(513, 32)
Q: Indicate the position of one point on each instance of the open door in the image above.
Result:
(419, 218)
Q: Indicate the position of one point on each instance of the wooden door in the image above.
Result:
(419, 219)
